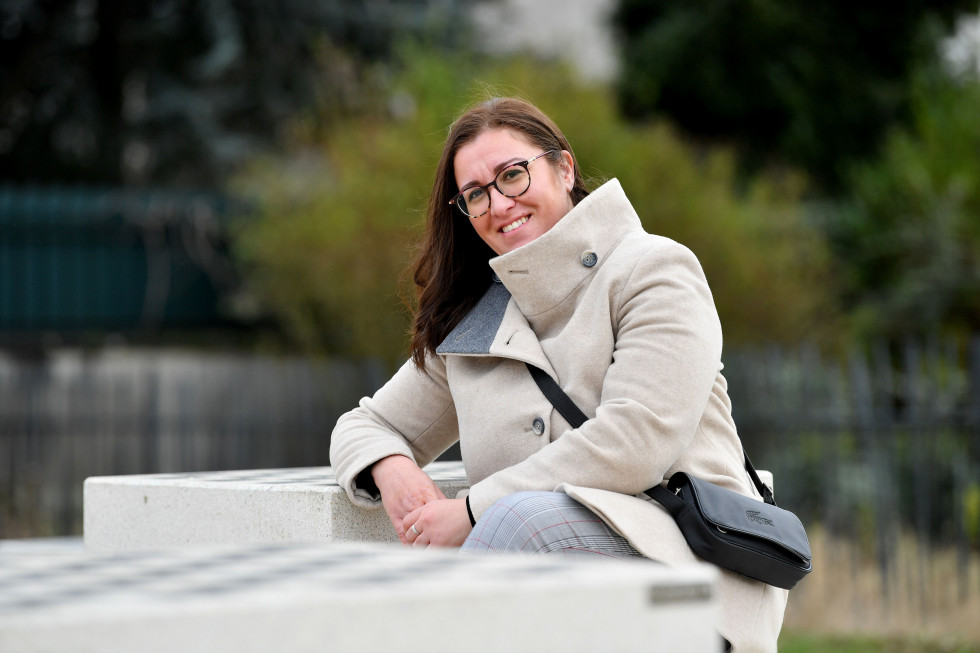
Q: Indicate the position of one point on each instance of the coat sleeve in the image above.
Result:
(666, 359)
(412, 414)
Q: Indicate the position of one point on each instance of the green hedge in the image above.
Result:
(342, 206)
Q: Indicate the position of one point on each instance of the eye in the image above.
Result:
(473, 195)
(511, 174)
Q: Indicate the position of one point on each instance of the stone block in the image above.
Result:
(155, 511)
(152, 511)
(350, 597)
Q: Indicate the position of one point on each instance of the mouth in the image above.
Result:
(515, 224)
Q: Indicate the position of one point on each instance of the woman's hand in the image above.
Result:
(404, 487)
(439, 523)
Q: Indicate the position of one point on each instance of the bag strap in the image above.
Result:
(574, 416)
(673, 503)
(759, 485)
(561, 401)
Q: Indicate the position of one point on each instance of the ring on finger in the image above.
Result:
(415, 530)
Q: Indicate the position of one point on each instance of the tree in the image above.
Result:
(179, 92)
(336, 214)
(910, 236)
(815, 84)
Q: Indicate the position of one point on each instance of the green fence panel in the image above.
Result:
(96, 259)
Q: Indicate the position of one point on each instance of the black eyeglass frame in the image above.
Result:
(486, 187)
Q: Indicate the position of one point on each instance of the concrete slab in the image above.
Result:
(347, 597)
(153, 511)
(37, 546)
(262, 506)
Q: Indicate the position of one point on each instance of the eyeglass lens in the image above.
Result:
(512, 181)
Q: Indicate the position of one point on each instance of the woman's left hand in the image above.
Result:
(443, 522)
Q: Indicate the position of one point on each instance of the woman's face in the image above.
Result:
(514, 221)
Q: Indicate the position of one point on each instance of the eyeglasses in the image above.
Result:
(512, 181)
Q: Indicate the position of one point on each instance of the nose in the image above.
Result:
(501, 204)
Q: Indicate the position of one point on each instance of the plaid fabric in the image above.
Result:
(545, 522)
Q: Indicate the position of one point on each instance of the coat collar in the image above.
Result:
(547, 271)
(541, 275)
(475, 332)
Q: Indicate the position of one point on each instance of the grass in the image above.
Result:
(926, 600)
(797, 642)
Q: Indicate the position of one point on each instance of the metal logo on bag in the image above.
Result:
(756, 516)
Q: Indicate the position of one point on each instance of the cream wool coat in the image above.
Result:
(634, 339)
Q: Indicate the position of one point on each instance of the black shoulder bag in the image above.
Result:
(754, 538)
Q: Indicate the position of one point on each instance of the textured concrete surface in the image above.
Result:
(152, 511)
(349, 597)
(155, 511)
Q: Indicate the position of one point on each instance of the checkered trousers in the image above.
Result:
(545, 522)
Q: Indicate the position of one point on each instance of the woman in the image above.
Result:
(520, 264)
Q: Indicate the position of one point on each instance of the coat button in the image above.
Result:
(538, 426)
(589, 259)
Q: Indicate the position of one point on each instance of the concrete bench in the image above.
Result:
(349, 597)
(153, 511)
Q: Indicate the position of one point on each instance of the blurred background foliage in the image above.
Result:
(324, 249)
(910, 232)
(180, 92)
(816, 85)
(821, 160)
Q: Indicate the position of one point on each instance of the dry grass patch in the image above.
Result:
(923, 593)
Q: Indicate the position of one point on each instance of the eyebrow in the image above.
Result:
(496, 171)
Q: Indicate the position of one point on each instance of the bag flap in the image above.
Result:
(732, 511)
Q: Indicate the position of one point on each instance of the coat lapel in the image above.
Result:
(496, 327)
(475, 332)
(541, 281)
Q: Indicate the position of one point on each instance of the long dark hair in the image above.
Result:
(450, 270)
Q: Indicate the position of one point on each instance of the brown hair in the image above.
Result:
(450, 270)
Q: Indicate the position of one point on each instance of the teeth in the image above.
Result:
(515, 224)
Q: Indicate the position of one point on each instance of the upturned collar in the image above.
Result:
(545, 272)
(540, 276)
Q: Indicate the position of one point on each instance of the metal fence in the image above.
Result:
(76, 415)
(879, 453)
(872, 450)
(892, 431)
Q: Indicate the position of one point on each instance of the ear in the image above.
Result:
(567, 170)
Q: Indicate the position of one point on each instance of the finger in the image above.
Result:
(413, 532)
(422, 541)
(412, 517)
(400, 530)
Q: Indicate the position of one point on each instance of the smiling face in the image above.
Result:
(514, 221)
